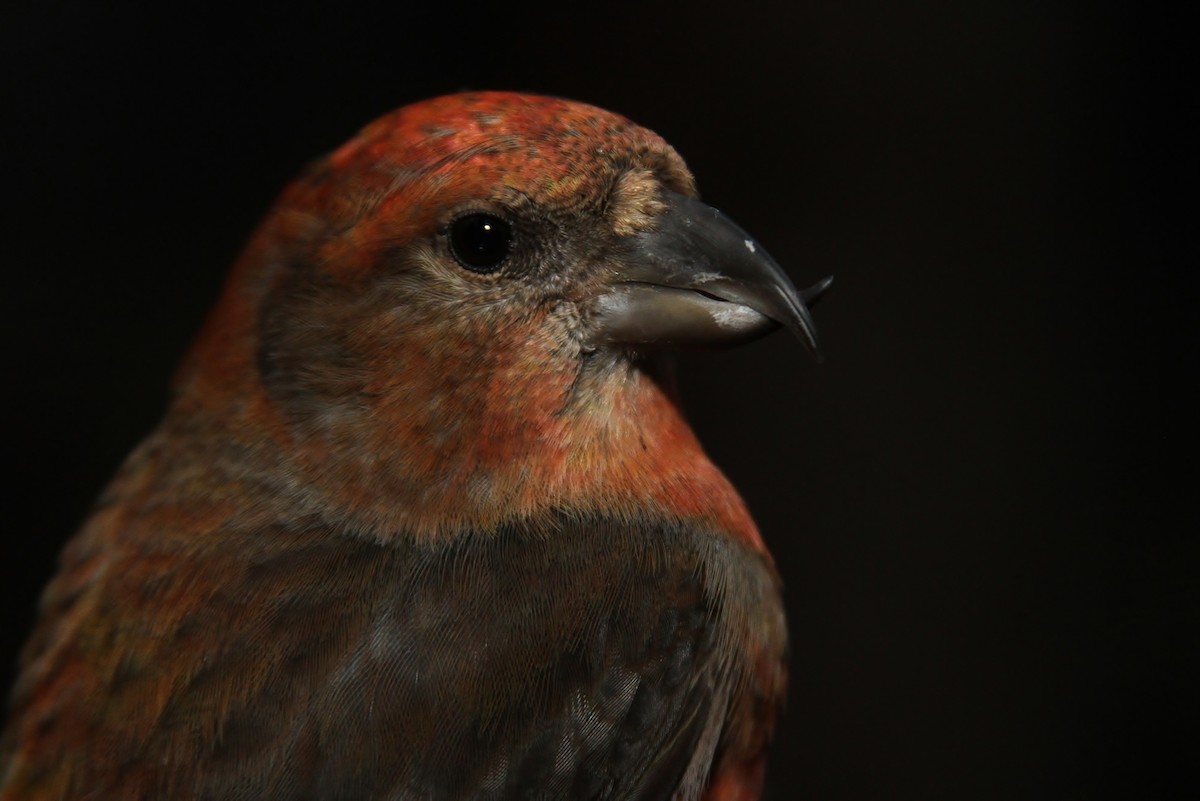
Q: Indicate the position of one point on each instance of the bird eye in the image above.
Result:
(480, 242)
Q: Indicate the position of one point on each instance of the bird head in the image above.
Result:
(447, 319)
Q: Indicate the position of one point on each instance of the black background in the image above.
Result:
(980, 503)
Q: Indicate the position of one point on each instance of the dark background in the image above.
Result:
(980, 503)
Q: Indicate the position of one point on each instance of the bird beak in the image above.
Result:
(700, 280)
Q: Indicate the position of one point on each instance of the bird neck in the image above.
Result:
(512, 441)
(434, 436)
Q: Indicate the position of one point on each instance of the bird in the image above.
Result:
(424, 518)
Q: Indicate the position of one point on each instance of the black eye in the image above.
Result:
(480, 242)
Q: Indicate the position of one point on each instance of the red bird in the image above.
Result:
(423, 519)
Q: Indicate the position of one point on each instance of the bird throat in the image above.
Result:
(439, 448)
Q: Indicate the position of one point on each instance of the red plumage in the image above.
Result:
(423, 519)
